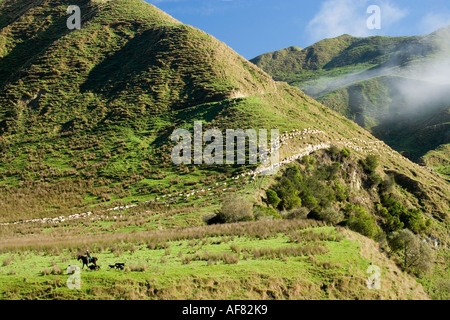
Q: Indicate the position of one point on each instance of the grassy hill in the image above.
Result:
(230, 262)
(85, 120)
(382, 106)
(392, 86)
(439, 159)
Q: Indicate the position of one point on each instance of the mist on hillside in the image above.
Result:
(429, 76)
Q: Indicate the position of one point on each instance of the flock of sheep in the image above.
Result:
(370, 147)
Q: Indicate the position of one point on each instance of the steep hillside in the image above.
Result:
(88, 113)
(439, 159)
(394, 87)
(413, 124)
(85, 147)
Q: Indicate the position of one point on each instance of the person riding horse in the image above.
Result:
(87, 259)
(88, 255)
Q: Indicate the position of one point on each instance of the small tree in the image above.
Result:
(417, 256)
(388, 185)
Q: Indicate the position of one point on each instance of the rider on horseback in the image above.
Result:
(88, 256)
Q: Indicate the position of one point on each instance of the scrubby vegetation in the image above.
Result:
(85, 125)
(322, 190)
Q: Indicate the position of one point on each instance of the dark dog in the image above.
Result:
(94, 267)
(119, 266)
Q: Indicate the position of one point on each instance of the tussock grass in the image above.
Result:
(159, 239)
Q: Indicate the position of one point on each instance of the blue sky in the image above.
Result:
(253, 27)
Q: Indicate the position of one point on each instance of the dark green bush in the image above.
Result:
(361, 222)
(261, 212)
(391, 223)
(310, 202)
(413, 219)
(388, 185)
(340, 192)
(375, 179)
(272, 198)
(345, 153)
(370, 164)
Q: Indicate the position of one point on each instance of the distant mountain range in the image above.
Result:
(396, 87)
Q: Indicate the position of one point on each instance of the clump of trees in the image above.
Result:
(317, 190)
(397, 217)
(310, 189)
(315, 193)
(294, 190)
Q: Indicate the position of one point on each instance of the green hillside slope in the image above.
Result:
(85, 161)
(393, 86)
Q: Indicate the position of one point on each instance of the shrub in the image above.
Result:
(331, 215)
(272, 198)
(8, 261)
(186, 260)
(334, 150)
(375, 179)
(138, 267)
(45, 272)
(234, 209)
(235, 248)
(388, 185)
(370, 164)
(345, 153)
(340, 192)
(56, 270)
(391, 223)
(412, 219)
(310, 202)
(298, 213)
(288, 193)
(229, 258)
(292, 202)
(363, 223)
(261, 212)
(334, 169)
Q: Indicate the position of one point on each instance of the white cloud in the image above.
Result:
(337, 17)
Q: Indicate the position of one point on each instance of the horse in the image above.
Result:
(86, 260)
